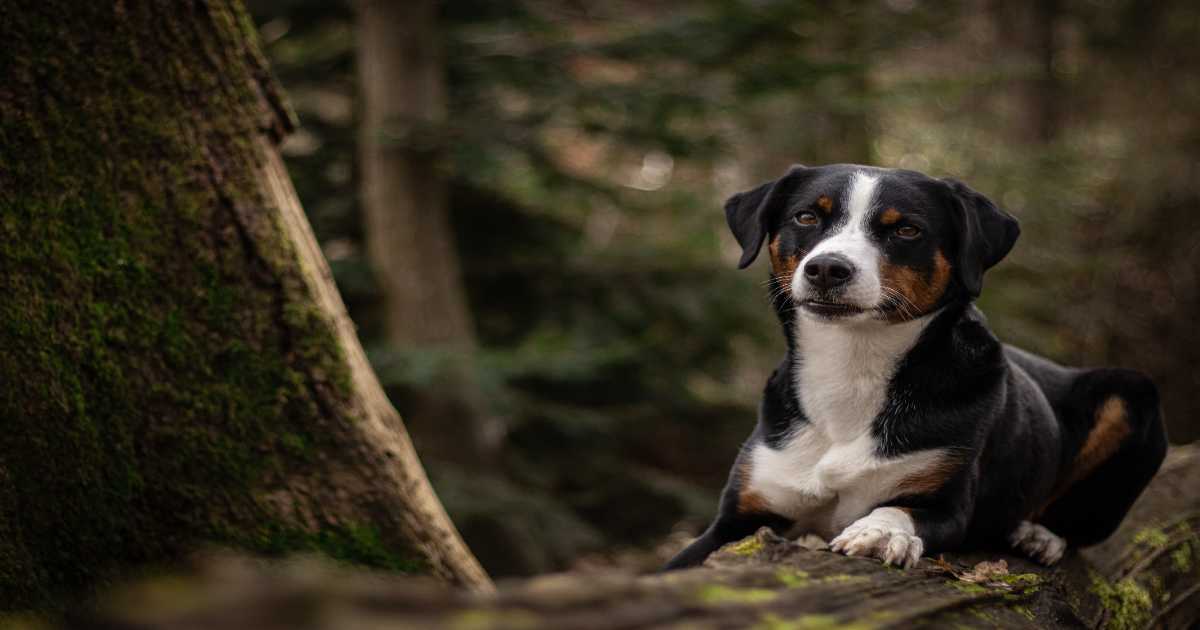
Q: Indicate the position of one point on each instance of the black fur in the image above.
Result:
(1018, 421)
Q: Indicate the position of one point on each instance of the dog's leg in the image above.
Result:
(1118, 443)
(728, 527)
(887, 533)
(900, 532)
(1038, 543)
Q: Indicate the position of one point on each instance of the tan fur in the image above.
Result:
(749, 501)
(1111, 428)
(1107, 434)
(921, 292)
(891, 216)
(783, 266)
(825, 204)
(930, 480)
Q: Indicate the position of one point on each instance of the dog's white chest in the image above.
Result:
(825, 486)
(828, 473)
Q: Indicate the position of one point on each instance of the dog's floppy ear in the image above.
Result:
(751, 213)
(985, 234)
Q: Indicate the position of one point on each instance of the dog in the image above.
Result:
(897, 425)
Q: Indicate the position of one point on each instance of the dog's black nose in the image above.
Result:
(828, 271)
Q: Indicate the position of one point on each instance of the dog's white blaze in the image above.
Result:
(852, 240)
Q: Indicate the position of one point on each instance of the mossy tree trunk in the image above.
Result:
(176, 366)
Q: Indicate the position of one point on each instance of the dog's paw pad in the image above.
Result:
(1038, 543)
(887, 536)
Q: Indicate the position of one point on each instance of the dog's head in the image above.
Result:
(855, 243)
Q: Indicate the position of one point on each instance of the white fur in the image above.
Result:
(853, 241)
(827, 473)
(843, 370)
(886, 533)
(824, 486)
(1038, 543)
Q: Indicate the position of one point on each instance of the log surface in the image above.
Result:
(1144, 576)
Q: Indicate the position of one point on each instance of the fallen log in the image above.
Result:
(1146, 575)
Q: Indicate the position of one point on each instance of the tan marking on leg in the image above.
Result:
(931, 479)
(890, 216)
(1111, 428)
(749, 501)
(825, 204)
(919, 293)
(1105, 438)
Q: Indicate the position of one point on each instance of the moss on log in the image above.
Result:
(176, 368)
(1145, 576)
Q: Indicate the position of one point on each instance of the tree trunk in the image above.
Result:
(1146, 575)
(409, 239)
(1028, 34)
(176, 366)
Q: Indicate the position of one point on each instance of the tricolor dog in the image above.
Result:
(897, 424)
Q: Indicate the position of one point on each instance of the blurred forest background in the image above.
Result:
(521, 202)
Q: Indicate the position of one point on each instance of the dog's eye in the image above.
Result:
(807, 219)
(908, 231)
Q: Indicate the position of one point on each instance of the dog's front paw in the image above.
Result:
(885, 533)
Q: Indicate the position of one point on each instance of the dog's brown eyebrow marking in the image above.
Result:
(889, 216)
(825, 203)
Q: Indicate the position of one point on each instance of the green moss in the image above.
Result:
(1020, 580)
(1127, 602)
(355, 544)
(1152, 537)
(164, 369)
(842, 578)
(722, 594)
(806, 622)
(747, 546)
(1181, 558)
(969, 588)
(793, 578)
(772, 621)
(480, 619)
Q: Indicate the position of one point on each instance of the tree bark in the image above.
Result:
(176, 366)
(1146, 575)
(409, 238)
